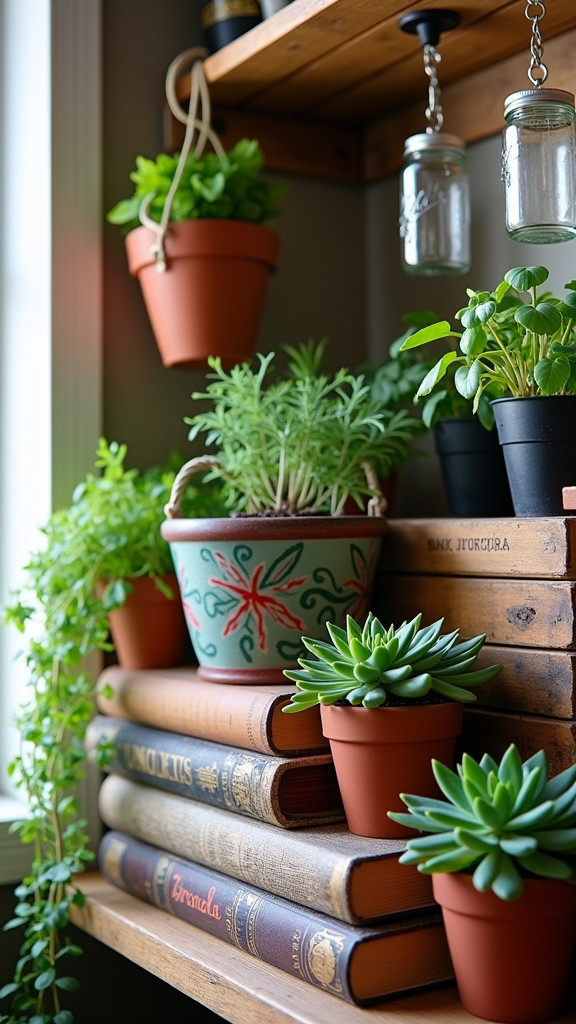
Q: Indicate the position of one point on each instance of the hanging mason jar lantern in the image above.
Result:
(539, 153)
(434, 186)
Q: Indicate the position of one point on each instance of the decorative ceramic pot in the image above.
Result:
(379, 753)
(253, 586)
(210, 297)
(511, 958)
(149, 629)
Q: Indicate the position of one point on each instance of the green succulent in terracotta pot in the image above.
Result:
(500, 842)
(390, 698)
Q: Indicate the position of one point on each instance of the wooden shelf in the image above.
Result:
(235, 985)
(333, 87)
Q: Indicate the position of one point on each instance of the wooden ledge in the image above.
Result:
(232, 983)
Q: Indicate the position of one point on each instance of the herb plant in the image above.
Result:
(370, 664)
(500, 822)
(303, 442)
(112, 530)
(509, 347)
(230, 186)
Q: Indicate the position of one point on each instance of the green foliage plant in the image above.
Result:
(501, 823)
(299, 442)
(110, 530)
(369, 665)
(228, 186)
(510, 346)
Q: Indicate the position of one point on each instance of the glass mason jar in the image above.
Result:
(539, 165)
(435, 205)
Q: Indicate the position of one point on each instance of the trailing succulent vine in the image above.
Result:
(369, 664)
(502, 823)
(111, 529)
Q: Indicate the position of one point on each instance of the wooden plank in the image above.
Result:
(473, 106)
(526, 613)
(536, 547)
(532, 681)
(492, 732)
(240, 988)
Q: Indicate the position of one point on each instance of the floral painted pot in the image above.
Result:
(379, 753)
(251, 587)
(511, 958)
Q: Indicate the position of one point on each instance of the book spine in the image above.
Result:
(280, 934)
(238, 780)
(523, 612)
(530, 547)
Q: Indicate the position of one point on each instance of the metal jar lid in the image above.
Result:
(526, 97)
(433, 140)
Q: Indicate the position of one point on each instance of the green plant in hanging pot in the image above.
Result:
(95, 554)
(500, 843)
(290, 449)
(391, 698)
(197, 237)
(520, 353)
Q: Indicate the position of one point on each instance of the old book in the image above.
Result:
(289, 792)
(492, 732)
(533, 681)
(326, 868)
(533, 547)
(240, 716)
(522, 612)
(359, 964)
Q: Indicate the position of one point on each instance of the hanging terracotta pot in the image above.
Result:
(149, 629)
(210, 297)
(511, 958)
(379, 753)
(253, 586)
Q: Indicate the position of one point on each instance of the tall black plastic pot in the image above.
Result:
(538, 439)
(473, 470)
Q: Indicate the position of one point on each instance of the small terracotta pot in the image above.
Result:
(149, 630)
(379, 753)
(210, 298)
(511, 958)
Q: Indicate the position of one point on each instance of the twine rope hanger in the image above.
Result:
(198, 132)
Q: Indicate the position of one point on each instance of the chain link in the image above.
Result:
(537, 72)
(434, 112)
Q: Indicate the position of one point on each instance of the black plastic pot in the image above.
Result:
(225, 20)
(538, 439)
(473, 470)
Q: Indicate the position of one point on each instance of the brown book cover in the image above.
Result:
(289, 792)
(241, 716)
(361, 965)
(522, 612)
(533, 547)
(492, 732)
(326, 868)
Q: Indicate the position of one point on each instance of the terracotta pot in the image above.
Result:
(149, 630)
(252, 587)
(210, 298)
(381, 752)
(511, 958)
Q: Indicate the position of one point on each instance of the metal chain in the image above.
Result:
(434, 112)
(537, 72)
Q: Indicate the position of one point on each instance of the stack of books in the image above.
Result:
(225, 812)
(513, 579)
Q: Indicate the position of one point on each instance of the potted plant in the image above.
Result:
(500, 843)
(291, 449)
(390, 700)
(108, 535)
(197, 240)
(521, 354)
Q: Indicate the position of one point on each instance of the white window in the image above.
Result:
(50, 310)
